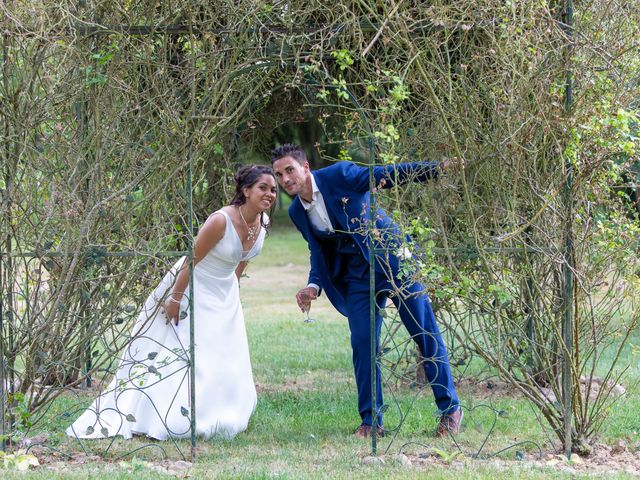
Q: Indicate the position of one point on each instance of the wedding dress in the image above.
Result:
(150, 392)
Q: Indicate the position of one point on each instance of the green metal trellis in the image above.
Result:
(185, 29)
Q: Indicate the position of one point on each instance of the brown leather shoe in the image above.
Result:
(364, 431)
(450, 423)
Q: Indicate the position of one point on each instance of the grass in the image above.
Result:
(307, 405)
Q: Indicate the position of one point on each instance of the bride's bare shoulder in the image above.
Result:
(217, 219)
(229, 210)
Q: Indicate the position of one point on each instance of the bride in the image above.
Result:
(150, 392)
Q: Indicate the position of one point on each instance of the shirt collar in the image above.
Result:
(315, 194)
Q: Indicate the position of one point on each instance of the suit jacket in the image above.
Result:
(345, 190)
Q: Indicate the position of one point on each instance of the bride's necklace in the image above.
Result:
(252, 232)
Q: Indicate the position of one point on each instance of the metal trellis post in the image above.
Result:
(568, 267)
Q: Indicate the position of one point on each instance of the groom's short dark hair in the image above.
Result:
(289, 150)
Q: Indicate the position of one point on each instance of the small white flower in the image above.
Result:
(404, 253)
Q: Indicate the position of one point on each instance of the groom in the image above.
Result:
(330, 209)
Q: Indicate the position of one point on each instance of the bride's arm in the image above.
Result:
(210, 234)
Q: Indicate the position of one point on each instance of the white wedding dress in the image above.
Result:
(150, 393)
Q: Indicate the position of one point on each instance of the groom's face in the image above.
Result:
(292, 176)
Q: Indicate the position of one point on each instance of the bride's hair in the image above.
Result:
(246, 177)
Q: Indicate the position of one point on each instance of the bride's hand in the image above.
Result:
(172, 310)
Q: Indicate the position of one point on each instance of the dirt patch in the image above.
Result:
(495, 388)
(607, 458)
(604, 460)
(55, 462)
(279, 277)
(591, 388)
(305, 383)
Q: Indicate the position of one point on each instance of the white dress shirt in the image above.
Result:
(317, 210)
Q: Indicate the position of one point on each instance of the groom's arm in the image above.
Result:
(387, 176)
(314, 278)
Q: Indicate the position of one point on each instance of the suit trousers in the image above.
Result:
(415, 311)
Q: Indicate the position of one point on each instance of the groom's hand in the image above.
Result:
(305, 296)
(452, 164)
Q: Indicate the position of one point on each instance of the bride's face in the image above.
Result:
(262, 194)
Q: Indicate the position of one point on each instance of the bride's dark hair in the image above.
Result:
(246, 177)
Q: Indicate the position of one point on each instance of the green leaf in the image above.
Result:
(23, 462)
(184, 412)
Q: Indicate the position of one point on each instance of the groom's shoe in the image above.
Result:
(364, 431)
(450, 423)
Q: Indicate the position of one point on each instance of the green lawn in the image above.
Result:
(307, 406)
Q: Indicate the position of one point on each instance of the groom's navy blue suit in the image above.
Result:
(340, 266)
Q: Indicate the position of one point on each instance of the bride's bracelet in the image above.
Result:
(171, 299)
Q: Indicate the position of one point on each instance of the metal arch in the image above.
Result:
(142, 30)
